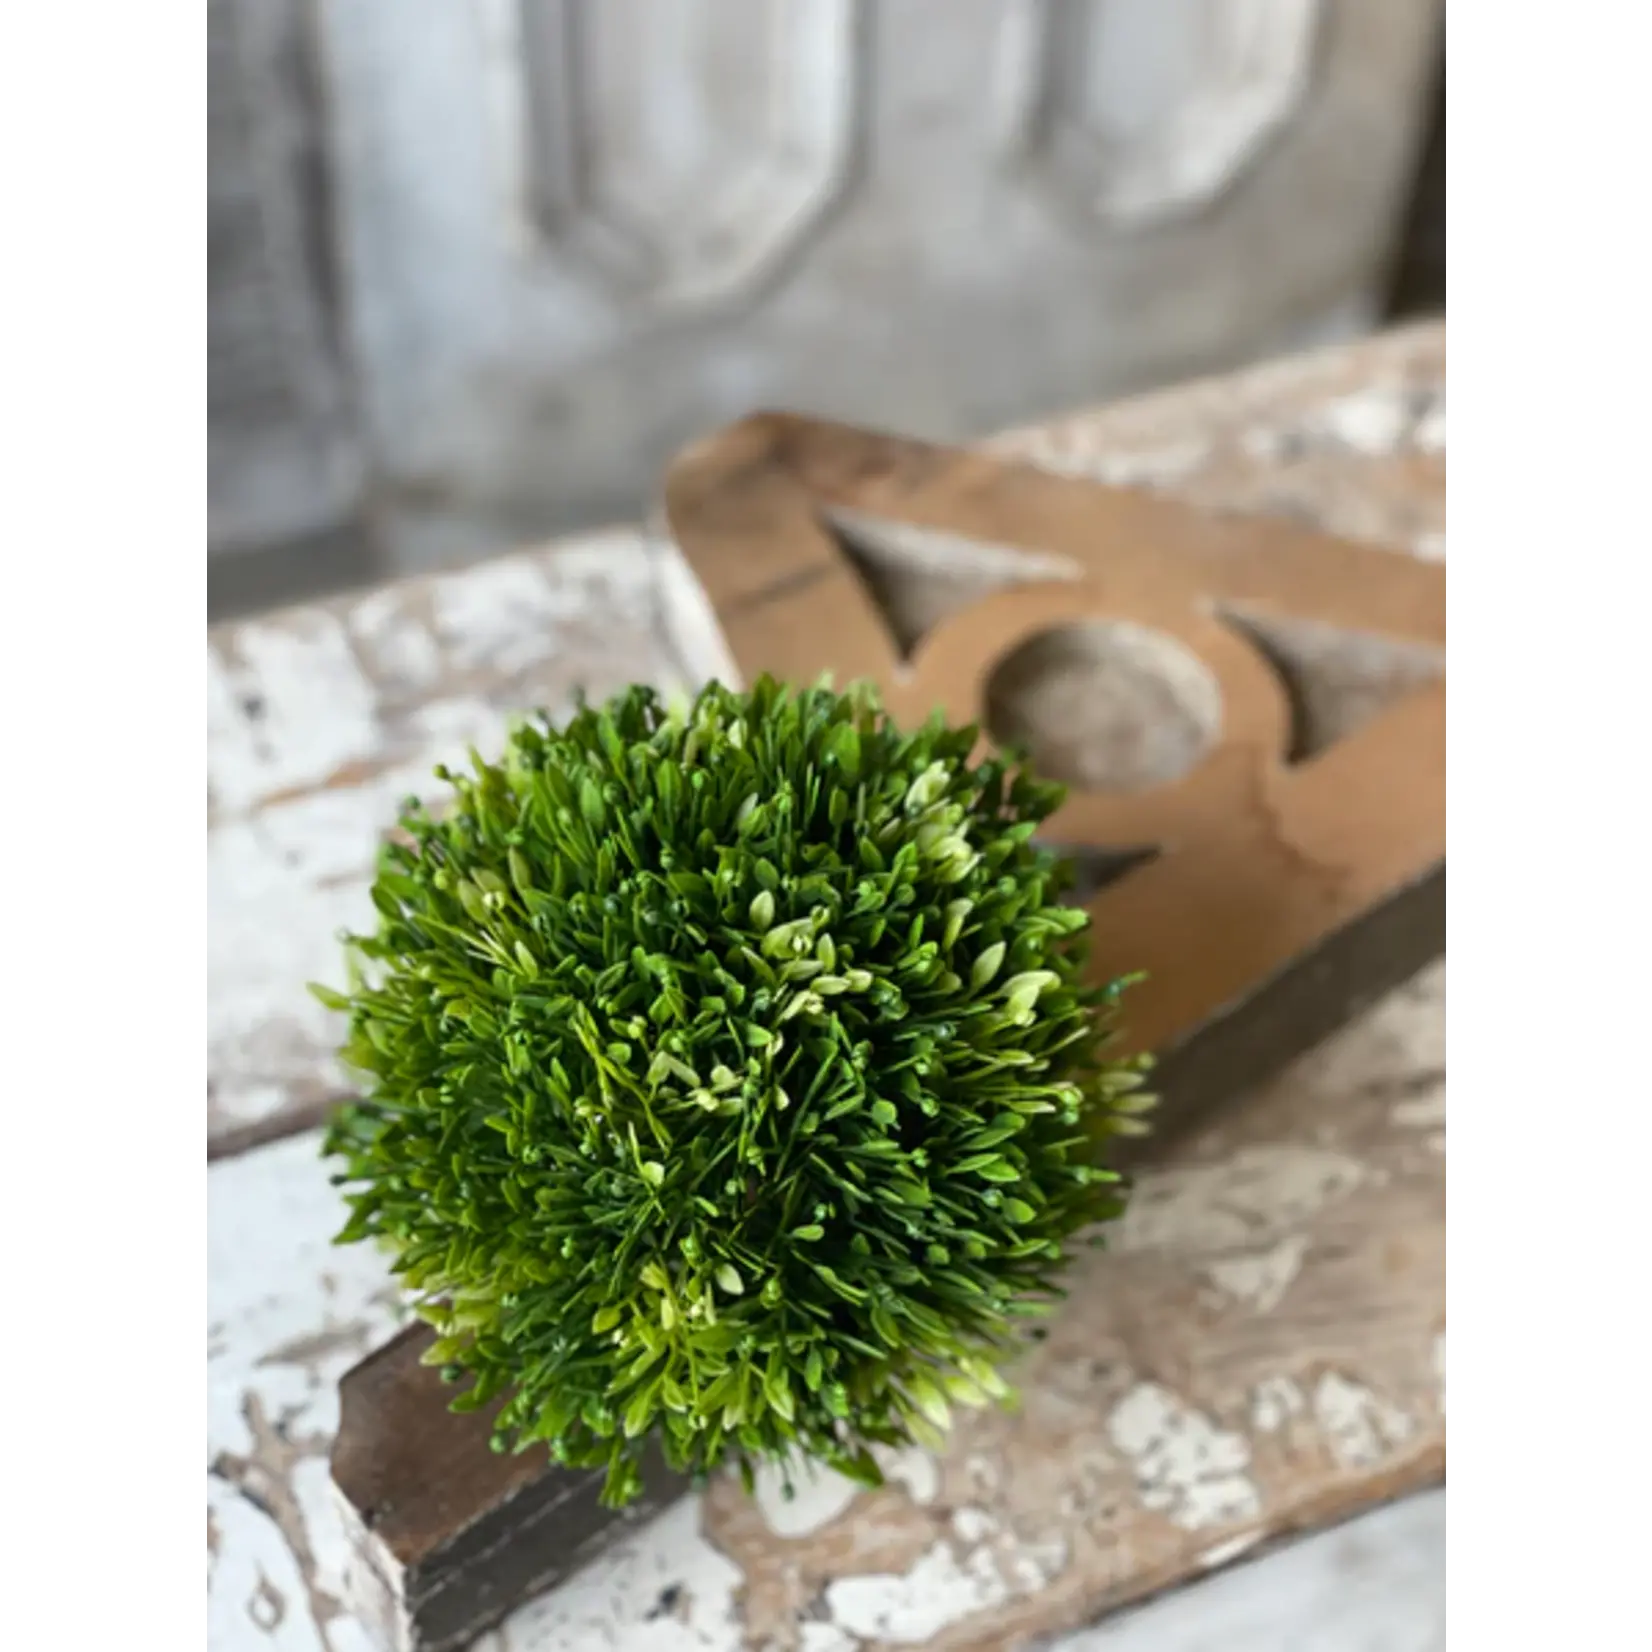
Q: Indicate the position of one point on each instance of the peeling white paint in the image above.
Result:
(320, 721)
(292, 706)
(312, 1486)
(394, 682)
(399, 647)
(814, 1636)
(618, 1604)
(1274, 1402)
(1372, 1584)
(1260, 1278)
(912, 1607)
(253, 1573)
(819, 1496)
(269, 1315)
(1187, 1467)
(290, 1314)
(983, 1566)
(1066, 454)
(1032, 1566)
(1359, 1426)
(1430, 434)
(973, 1525)
(1255, 1198)
(1422, 1112)
(501, 615)
(1229, 1549)
(1372, 421)
(1262, 442)
(983, 1474)
(911, 1467)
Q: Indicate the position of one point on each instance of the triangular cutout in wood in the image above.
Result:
(918, 577)
(1336, 680)
(1095, 868)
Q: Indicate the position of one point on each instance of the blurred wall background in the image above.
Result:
(477, 267)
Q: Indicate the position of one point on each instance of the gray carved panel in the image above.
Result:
(283, 458)
(682, 152)
(1146, 110)
(578, 232)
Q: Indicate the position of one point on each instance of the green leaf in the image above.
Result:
(858, 1466)
(843, 748)
(986, 966)
(728, 1278)
(929, 1399)
(521, 874)
(327, 997)
(639, 1412)
(778, 1393)
(590, 802)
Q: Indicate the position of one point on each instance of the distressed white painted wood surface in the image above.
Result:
(1376, 1584)
(1300, 1244)
(321, 718)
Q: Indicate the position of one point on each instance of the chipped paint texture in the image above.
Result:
(288, 1316)
(1165, 1428)
(817, 1497)
(662, 1589)
(1259, 1338)
(1376, 1584)
(321, 720)
(1359, 1426)
(1261, 1345)
(1276, 1401)
(937, 1591)
(1185, 1465)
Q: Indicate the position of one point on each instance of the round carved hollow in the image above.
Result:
(1105, 705)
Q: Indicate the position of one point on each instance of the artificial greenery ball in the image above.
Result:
(728, 1078)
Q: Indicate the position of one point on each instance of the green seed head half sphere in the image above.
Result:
(728, 1078)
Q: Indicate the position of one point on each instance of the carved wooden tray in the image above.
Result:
(1251, 717)
(1259, 835)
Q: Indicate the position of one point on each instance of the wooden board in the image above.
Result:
(321, 717)
(1266, 1348)
(1250, 714)
(1297, 867)
(324, 715)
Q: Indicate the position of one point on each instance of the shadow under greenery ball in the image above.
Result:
(727, 1079)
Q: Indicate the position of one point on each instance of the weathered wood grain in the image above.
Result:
(321, 718)
(1121, 663)
(362, 696)
(319, 721)
(1265, 1340)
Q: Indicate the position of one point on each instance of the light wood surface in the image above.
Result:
(1270, 1330)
